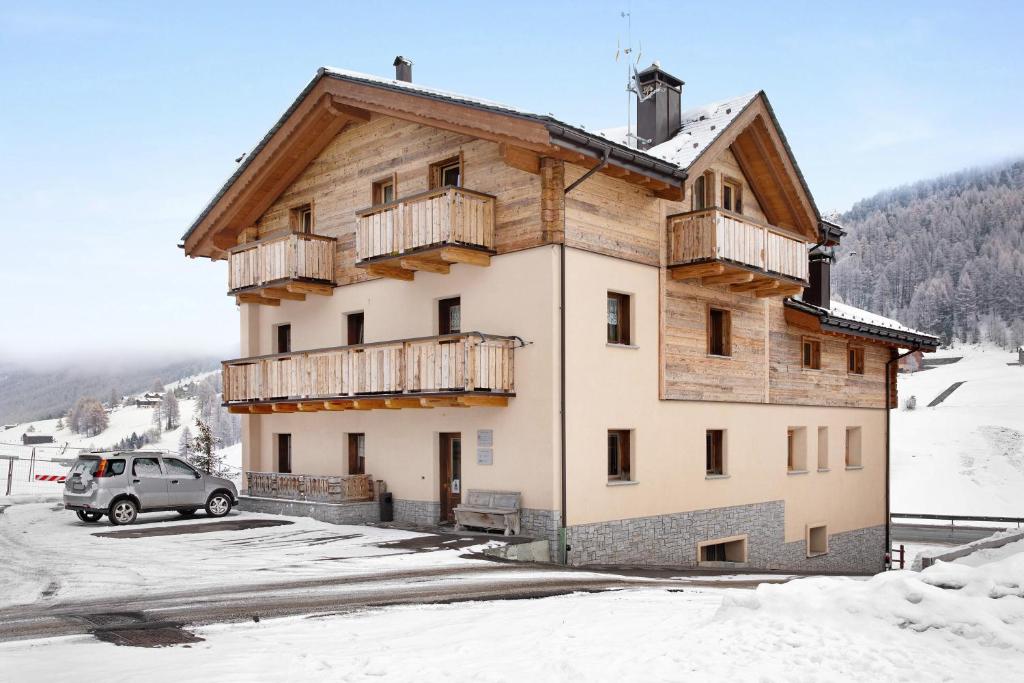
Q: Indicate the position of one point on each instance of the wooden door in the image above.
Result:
(451, 474)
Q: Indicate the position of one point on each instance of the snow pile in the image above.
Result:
(975, 549)
(841, 310)
(954, 602)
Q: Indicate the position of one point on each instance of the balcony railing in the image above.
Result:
(316, 488)
(469, 363)
(281, 260)
(418, 228)
(712, 235)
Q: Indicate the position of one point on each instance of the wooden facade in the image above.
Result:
(351, 488)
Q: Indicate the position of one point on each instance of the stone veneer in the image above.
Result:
(671, 540)
(333, 513)
(420, 512)
(541, 524)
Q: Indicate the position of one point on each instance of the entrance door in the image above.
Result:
(451, 474)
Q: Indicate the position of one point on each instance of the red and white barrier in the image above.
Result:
(59, 478)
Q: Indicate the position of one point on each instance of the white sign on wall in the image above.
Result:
(485, 447)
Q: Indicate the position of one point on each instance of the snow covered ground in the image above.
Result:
(950, 622)
(966, 455)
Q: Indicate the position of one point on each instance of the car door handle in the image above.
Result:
(174, 481)
(136, 481)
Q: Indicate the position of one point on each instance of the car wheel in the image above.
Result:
(89, 517)
(218, 505)
(123, 511)
(187, 513)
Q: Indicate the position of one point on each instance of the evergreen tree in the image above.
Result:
(158, 386)
(204, 453)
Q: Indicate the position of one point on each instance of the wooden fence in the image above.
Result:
(462, 362)
(295, 256)
(447, 216)
(713, 234)
(317, 488)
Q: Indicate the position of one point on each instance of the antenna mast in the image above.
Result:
(632, 82)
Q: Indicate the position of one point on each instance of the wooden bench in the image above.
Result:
(490, 510)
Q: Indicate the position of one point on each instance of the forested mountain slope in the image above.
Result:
(943, 255)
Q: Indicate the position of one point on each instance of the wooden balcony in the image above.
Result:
(428, 231)
(350, 488)
(458, 370)
(723, 248)
(283, 266)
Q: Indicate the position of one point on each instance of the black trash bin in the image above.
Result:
(387, 507)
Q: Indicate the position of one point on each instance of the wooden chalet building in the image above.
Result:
(634, 333)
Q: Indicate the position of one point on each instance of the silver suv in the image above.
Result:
(121, 485)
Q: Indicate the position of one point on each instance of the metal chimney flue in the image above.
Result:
(658, 106)
(403, 69)
(819, 289)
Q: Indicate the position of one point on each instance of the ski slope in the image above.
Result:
(965, 455)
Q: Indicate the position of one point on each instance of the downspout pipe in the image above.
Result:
(563, 533)
(888, 443)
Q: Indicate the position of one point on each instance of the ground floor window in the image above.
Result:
(619, 465)
(817, 540)
(357, 454)
(733, 549)
(715, 446)
(284, 453)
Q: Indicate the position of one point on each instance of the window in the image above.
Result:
(855, 360)
(817, 540)
(719, 332)
(810, 355)
(446, 173)
(177, 467)
(853, 458)
(283, 338)
(449, 316)
(618, 318)
(302, 218)
(619, 465)
(284, 453)
(357, 454)
(354, 328)
(715, 461)
(822, 449)
(698, 193)
(146, 467)
(732, 195)
(796, 449)
(384, 190)
(723, 550)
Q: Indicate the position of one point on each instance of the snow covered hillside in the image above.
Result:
(965, 455)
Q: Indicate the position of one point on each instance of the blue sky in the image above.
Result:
(118, 120)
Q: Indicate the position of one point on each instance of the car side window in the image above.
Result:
(115, 467)
(146, 467)
(175, 466)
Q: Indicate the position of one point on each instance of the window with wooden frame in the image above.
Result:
(704, 191)
(449, 316)
(619, 462)
(385, 190)
(354, 328)
(732, 195)
(810, 353)
(284, 453)
(796, 449)
(719, 332)
(301, 218)
(356, 453)
(618, 318)
(283, 338)
(446, 173)
(715, 449)
(855, 360)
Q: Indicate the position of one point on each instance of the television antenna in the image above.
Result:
(633, 88)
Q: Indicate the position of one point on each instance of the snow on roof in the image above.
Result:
(700, 127)
(848, 312)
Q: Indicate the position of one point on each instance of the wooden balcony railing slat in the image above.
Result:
(287, 256)
(316, 488)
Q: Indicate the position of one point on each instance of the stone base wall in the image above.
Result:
(543, 525)
(421, 512)
(333, 513)
(671, 540)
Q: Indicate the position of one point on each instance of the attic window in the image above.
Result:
(732, 195)
(447, 173)
(302, 218)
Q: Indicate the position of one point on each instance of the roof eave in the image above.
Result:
(836, 324)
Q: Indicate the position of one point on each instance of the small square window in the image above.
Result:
(449, 316)
(817, 540)
(719, 332)
(447, 173)
(384, 190)
(354, 328)
(853, 447)
(283, 338)
(618, 318)
(796, 449)
(715, 452)
(810, 353)
(855, 360)
(619, 464)
(302, 218)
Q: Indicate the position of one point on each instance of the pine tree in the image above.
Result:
(158, 386)
(204, 454)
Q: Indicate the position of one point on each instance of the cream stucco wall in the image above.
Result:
(514, 296)
(617, 388)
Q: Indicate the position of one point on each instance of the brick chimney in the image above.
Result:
(658, 107)
(403, 69)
